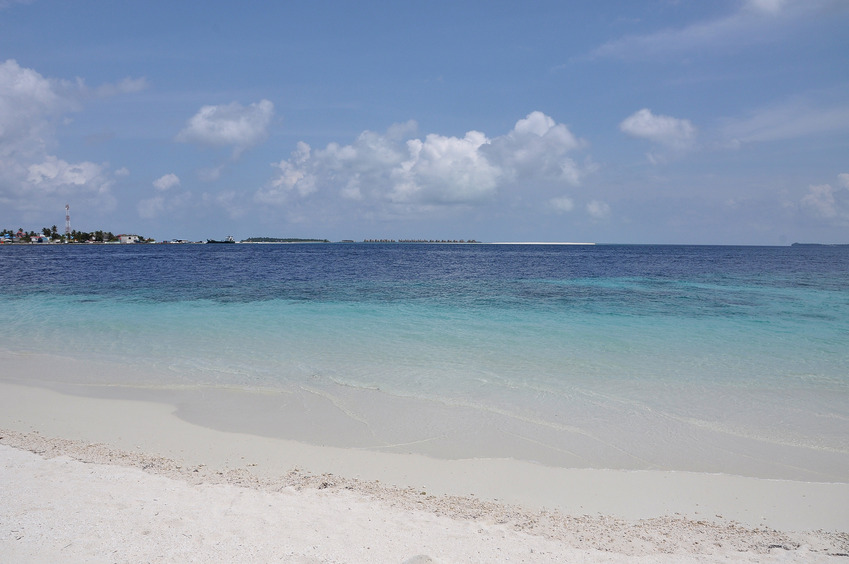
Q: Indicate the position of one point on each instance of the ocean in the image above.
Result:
(697, 358)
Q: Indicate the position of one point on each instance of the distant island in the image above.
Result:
(820, 245)
(52, 235)
(442, 241)
(282, 240)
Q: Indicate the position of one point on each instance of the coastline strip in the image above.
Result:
(154, 429)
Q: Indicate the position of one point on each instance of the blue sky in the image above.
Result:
(658, 121)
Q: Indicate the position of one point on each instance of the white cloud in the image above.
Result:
(821, 200)
(674, 134)
(537, 147)
(32, 107)
(229, 125)
(398, 168)
(166, 182)
(826, 202)
(443, 170)
(293, 173)
(29, 104)
(123, 171)
(598, 210)
(54, 174)
(665, 130)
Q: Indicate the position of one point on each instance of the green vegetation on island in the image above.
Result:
(282, 240)
(52, 235)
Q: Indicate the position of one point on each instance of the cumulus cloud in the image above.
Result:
(32, 107)
(672, 133)
(537, 146)
(399, 168)
(29, 105)
(293, 173)
(54, 174)
(445, 170)
(229, 125)
(829, 203)
(166, 182)
(665, 130)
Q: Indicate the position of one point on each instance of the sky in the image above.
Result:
(653, 121)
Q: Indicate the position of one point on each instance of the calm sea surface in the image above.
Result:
(751, 343)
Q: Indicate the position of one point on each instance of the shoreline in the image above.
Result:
(131, 505)
(370, 420)
(133, 473)
(141, 426)
(78, 502)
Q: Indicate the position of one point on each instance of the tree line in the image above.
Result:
(52, 233)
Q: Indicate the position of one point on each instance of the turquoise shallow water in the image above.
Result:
(666, 342)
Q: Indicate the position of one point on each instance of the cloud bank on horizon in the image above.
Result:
(632, 122)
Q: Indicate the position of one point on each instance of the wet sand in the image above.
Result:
(104, 479)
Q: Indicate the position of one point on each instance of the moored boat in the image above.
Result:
(229, 239)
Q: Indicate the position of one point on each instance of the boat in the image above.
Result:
(229, 239)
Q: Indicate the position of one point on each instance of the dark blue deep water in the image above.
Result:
(643, 279)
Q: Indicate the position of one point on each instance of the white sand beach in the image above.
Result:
(97, 479)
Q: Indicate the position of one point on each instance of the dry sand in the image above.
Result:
(104, 480)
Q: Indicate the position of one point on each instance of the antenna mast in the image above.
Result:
(67, 222)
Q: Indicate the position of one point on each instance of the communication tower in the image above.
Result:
(67, 221)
